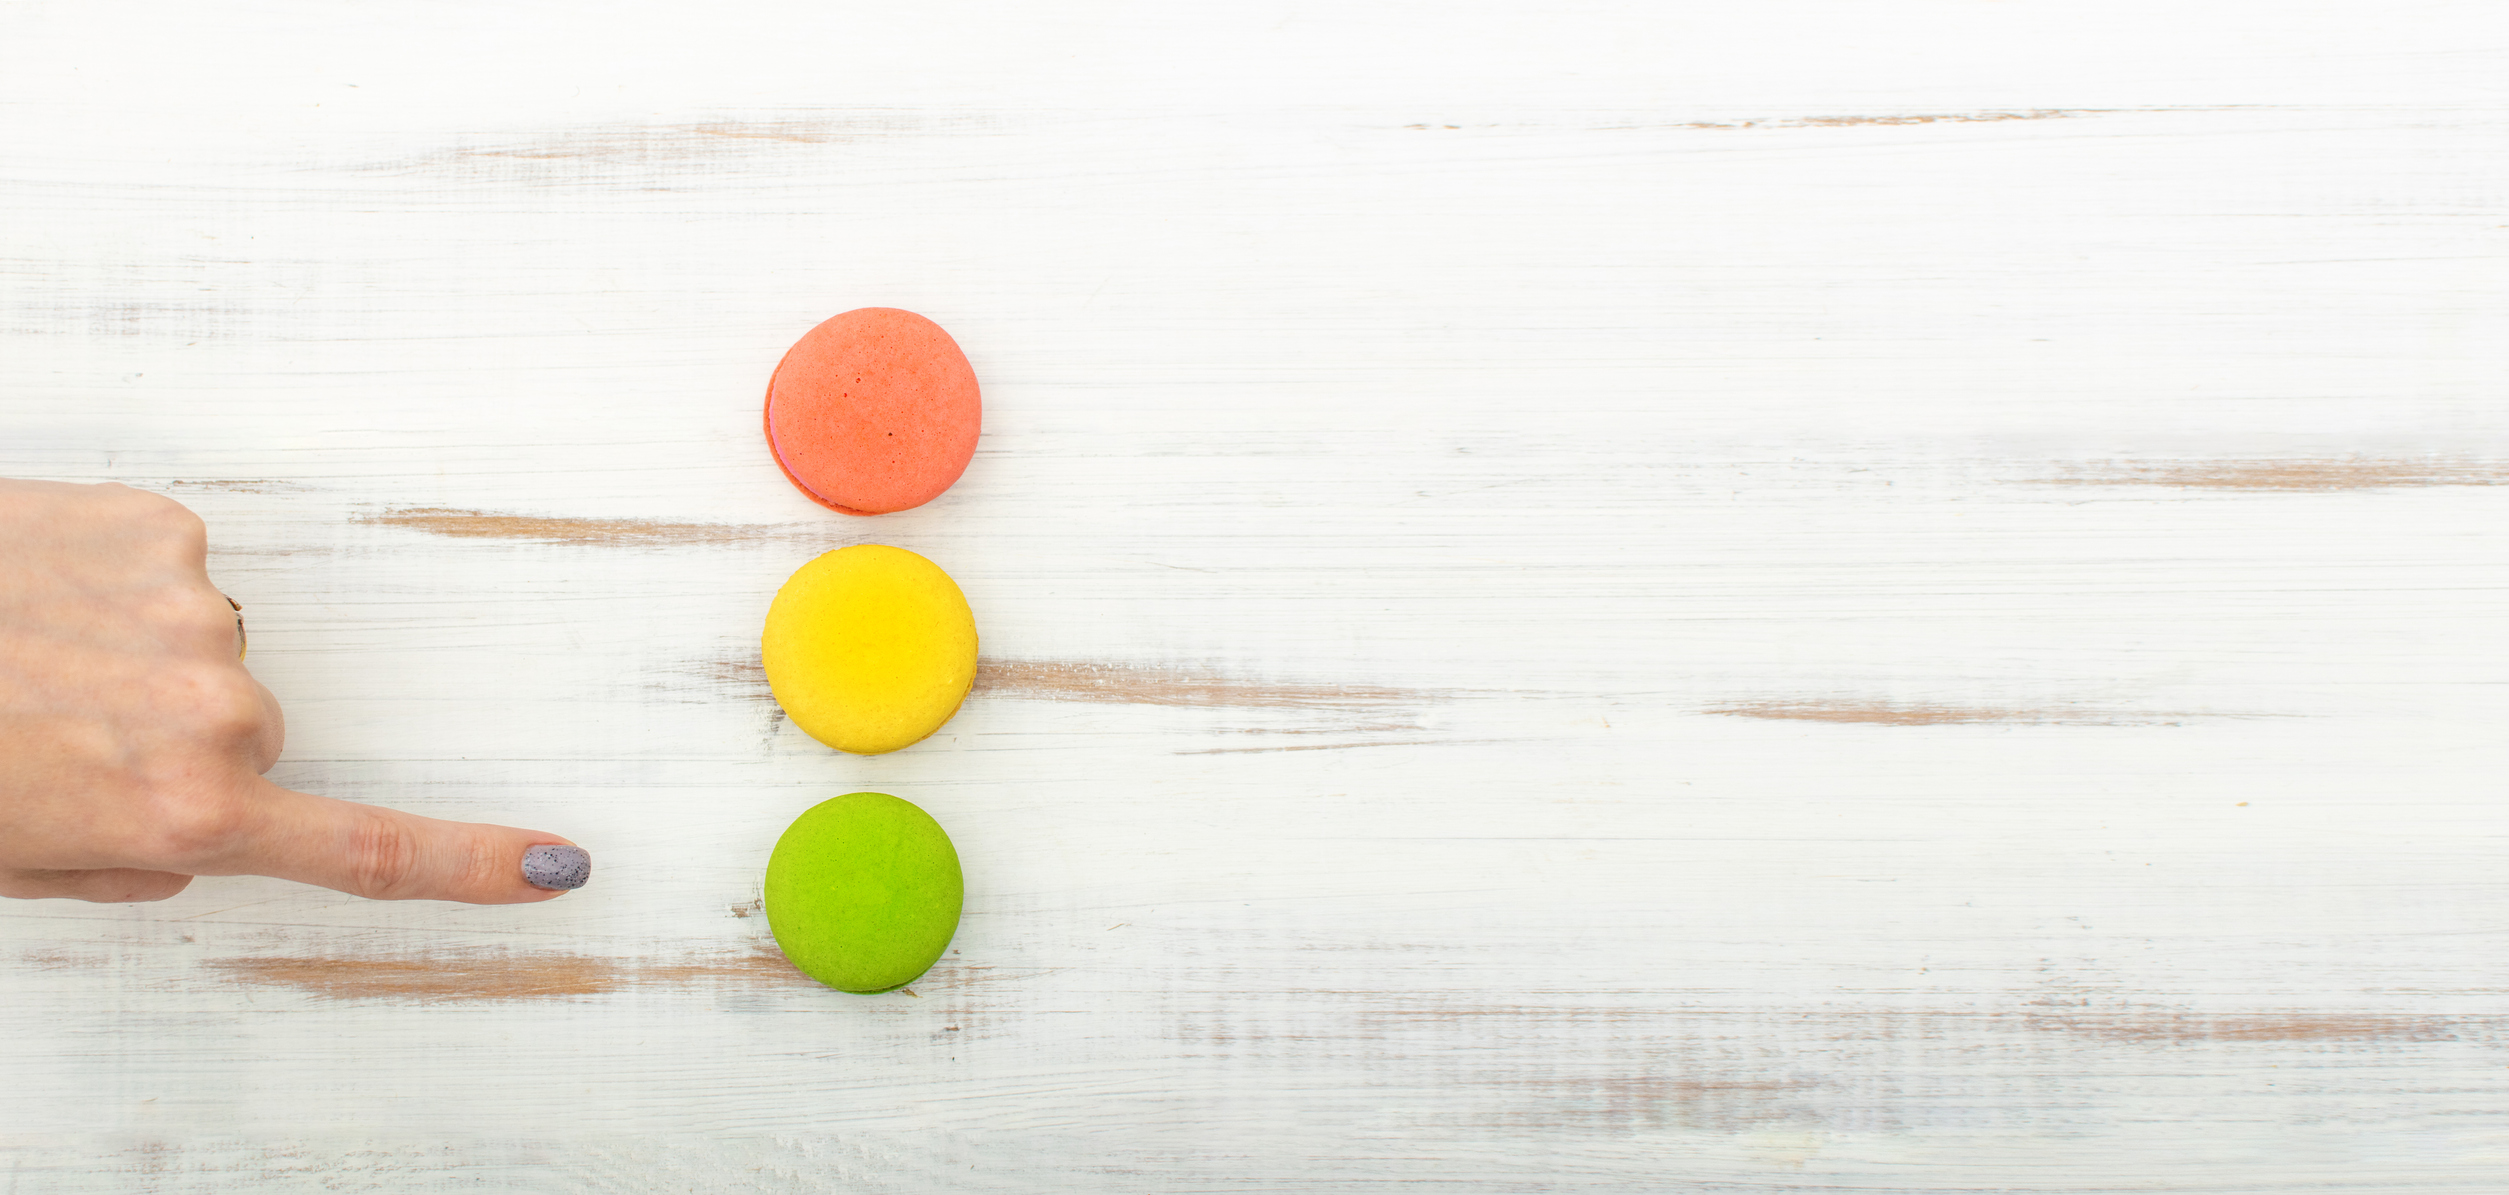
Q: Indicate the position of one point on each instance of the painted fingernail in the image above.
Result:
(557, 868)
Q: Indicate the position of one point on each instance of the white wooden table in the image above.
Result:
(1809, 597)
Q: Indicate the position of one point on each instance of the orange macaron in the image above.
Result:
(873, 411)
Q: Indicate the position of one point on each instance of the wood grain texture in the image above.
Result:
(1895, 713)
(479, 524)
(1799, 598)
(2293, 474)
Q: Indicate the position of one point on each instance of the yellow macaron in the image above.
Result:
(869, 648)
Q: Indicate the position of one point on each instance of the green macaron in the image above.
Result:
(863, 892)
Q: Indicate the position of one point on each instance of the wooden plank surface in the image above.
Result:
(1781, 598)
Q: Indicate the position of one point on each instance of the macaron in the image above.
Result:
(875, 410)
(869, 648)
(863, 892)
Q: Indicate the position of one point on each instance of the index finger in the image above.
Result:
(385, 854)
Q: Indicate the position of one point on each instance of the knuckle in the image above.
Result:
(231, 710)
(484, 864)
(182, 612)
(171, 525)
(383, 857)
(215, 700)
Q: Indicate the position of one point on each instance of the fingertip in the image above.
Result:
(557, 867)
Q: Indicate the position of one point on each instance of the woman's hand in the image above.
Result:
(132, 740)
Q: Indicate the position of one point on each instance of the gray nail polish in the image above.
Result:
(557, 867)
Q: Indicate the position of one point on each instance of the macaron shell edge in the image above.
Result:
(766, 416)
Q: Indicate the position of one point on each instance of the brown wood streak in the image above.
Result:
(459, 523)
(484, 975)
(1137, 684)
(1896, 713)
(2291, 475)
(1347, 709)
(489, 975)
